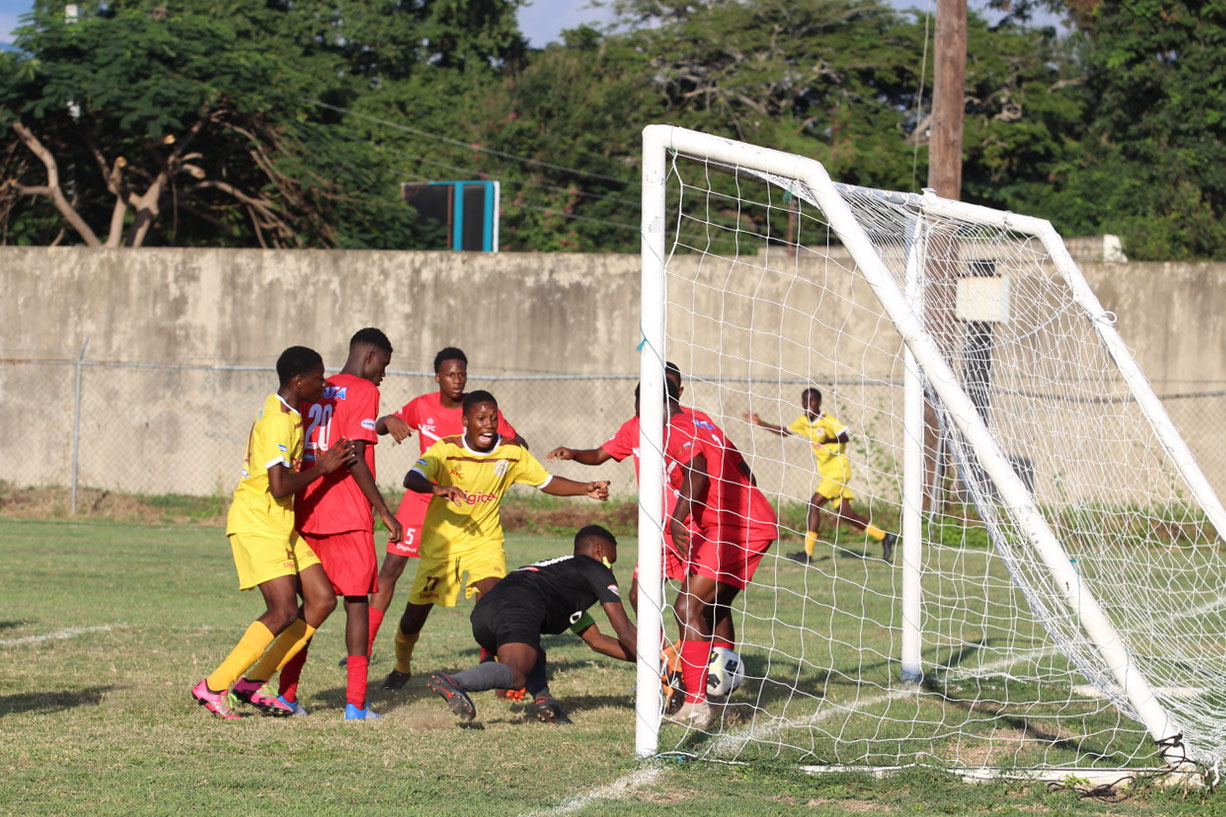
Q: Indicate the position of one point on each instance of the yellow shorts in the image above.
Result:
(439, 578)
(835, 475)
(263, 558)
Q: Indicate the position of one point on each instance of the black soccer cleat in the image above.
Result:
(396, 679)
(887, 547)
(450, 691)
(548, 710)
(800, 556)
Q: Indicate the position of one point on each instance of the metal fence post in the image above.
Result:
(76, 425)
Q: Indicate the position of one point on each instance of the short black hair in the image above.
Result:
(371, 336)
(600, 531)
(811, 390)
(479, 396)
(670, 388)
(297, 360)
(450, 353)
(671, 368)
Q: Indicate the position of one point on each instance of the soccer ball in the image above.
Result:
(724, 672)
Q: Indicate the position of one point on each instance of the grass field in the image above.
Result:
(104, 627)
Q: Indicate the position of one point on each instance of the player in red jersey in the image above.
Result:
(737, 524)
(433, 416)
(334, 514)
(719, 526)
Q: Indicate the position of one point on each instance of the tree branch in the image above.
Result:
(52, 189)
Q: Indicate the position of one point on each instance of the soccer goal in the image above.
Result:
(1058, 599)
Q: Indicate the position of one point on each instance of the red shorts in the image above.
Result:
(676, 567)
(412, 515)
(729, 562)
(349, 560)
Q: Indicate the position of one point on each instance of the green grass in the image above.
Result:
(100, 721)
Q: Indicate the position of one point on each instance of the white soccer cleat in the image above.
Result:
(697, 714)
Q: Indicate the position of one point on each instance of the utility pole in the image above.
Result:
(948, 100)
(939, 290)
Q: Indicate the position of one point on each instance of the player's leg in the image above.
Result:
(266, 563)
(357, 628)
(848, 514)
(693, 600)
(412, 514)
(408, 631)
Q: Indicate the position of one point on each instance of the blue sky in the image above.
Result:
(541, 22)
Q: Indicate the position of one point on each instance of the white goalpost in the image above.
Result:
(1059, 597)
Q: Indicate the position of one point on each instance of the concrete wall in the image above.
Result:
(519, 315)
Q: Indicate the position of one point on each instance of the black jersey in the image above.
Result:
(557, 590)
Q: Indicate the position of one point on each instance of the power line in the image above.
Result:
(469, 146)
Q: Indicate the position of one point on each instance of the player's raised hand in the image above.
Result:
(560, 453)
(451, 493)
(752, 418)
(598, 490)
(398, 428)
(340, 455)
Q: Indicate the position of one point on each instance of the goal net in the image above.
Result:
(1057, 598)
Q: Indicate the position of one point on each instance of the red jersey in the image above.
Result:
(733, 510)
(432, 421)
(625, 442)
(335, 503)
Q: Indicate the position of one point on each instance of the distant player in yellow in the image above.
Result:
(467, 475)
(268, 552)
(828, 437)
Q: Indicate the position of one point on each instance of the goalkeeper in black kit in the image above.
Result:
(547, 597)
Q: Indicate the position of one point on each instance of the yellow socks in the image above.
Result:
(287, 645)
(404, 651)
(250, 647)
(810, 542)
(875, 532)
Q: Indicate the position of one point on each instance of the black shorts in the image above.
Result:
(496, 624)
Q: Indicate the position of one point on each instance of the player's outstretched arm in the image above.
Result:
(416, 481)
(627, 633)
(605, 644)
(583, 456)
(397, 427)
(283, 482)
(561, 486)
(754, 420)
(366, 482)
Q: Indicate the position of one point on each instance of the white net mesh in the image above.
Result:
(763, 300)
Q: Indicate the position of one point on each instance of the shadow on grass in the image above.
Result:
(47, 702)
(13, 624)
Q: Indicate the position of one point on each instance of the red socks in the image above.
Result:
(287, 686)
(355, 687)
(695, 655)
(376, 620)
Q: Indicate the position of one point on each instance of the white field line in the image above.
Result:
(616, 790)
(58, 635)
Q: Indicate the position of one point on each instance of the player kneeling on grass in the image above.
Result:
(546, 597)
(268, 552)
(467, 477)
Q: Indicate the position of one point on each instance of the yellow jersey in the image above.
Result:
(484, 477)
(275, 438)
(822, 434)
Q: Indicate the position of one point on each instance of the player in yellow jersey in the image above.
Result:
(468, 475)
(268, 552)
(828, 437)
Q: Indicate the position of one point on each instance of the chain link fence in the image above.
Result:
(158, 429)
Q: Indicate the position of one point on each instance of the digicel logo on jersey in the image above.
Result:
(473, 499)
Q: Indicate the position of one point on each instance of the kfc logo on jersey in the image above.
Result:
(456, 472)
